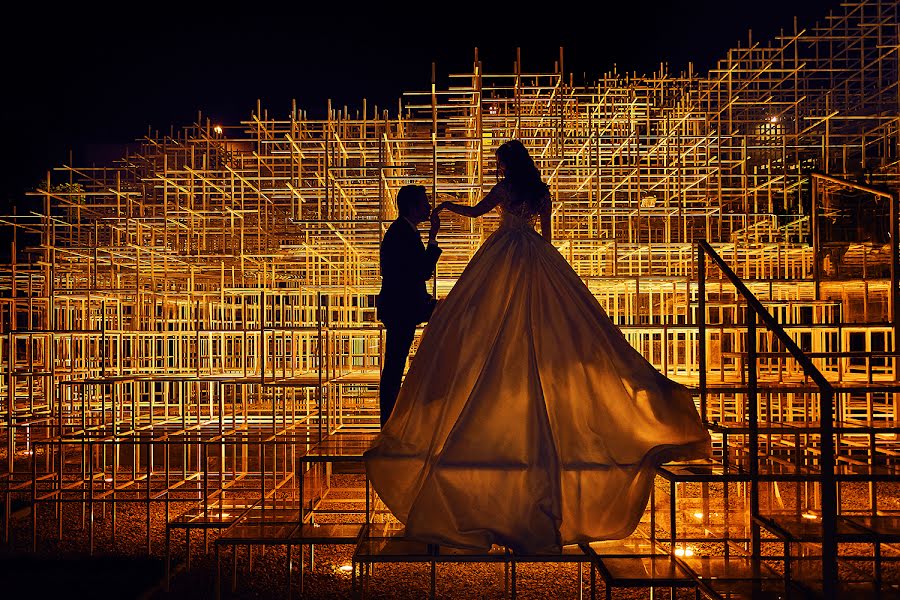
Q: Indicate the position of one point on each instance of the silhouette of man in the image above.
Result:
(404, 301)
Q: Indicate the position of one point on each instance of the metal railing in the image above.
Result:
(826, 412)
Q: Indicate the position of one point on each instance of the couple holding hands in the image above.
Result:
(526, 418)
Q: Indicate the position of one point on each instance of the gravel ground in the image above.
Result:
(122, 568)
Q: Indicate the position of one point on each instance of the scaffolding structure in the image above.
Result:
(195, 326)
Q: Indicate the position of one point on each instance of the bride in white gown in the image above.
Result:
(526, 418)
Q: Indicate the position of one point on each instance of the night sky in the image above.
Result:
(92, 79)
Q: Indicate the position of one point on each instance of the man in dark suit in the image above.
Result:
(404, 301)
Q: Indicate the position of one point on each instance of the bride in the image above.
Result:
(526, 419)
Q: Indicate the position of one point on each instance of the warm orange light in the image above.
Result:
(346, 568)
(698, 515)
(774, 119)
(218, 129)
(810, 516)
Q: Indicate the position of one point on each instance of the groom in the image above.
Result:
(404, 302)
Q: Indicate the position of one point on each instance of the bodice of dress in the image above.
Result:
(517, 215)
(512, 220)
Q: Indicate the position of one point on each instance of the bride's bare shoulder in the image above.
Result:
(501, 186)
(501, 191)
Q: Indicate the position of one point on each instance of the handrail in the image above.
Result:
(852, 184)
(808, 367)
(826, 412)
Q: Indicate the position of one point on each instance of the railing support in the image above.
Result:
(753, 434)
(828, 486)
(829, 497)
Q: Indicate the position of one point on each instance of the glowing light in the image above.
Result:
(218, 129)
(698, 515)
(108, 479)
(773, 119)
(346, 568)
(225, 515)
(686, 551)
(810, 516)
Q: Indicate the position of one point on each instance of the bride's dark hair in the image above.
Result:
(522, 175)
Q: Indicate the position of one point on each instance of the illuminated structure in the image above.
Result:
(194, 326)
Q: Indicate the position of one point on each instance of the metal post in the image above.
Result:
(814, 228)
(262, 338)
(829, 497)
(753, 410)
(320, 358)
(434, 157)
(701, 323)
(895, 270)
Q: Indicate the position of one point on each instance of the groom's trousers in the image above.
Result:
(398, 340)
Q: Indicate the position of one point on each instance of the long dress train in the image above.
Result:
(526, 418)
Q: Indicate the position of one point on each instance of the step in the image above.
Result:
(655, 570)
(220, 514)
(327, 533)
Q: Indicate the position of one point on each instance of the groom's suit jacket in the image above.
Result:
(406, 266)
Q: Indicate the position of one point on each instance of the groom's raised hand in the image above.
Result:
(435, 226)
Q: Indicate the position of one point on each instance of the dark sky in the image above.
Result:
(90, 79)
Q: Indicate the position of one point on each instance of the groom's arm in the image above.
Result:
(402, 257)
(429, 260)
(432, 251)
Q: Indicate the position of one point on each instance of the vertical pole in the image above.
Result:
(199, 356)
(10, 402)
(518, 94)
(814, 228)
(34, 504)
(320, 358)
(434, 157)
(895, 269)
(701, 322)
(753, 415)
(326, 352)
(829, 497)
(479, 128)
(102, 338)
(262, 335)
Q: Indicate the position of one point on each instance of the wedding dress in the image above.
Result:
(526, 418)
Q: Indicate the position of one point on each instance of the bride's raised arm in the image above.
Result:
(487, 204)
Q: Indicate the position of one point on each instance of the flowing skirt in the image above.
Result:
(526, 418)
